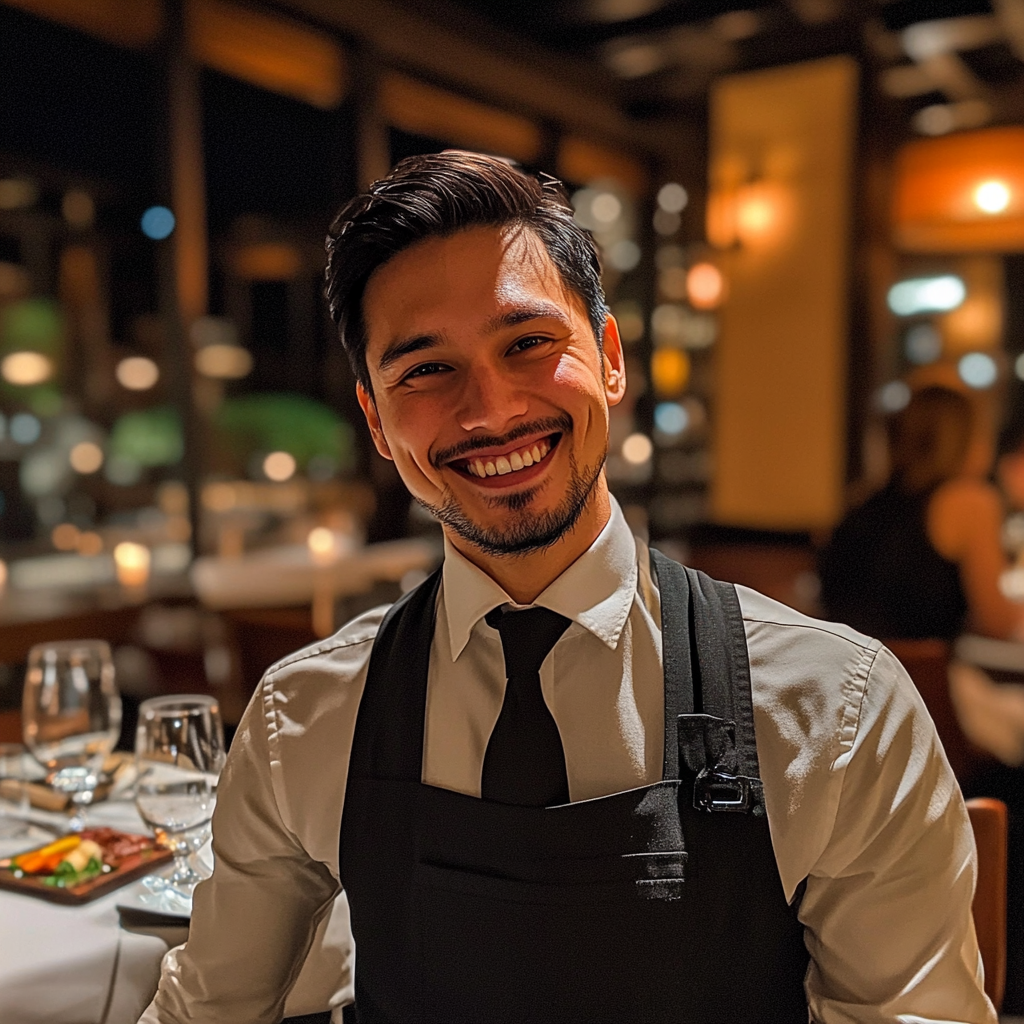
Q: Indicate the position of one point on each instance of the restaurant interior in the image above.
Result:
(807, 211)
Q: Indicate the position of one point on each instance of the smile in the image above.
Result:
(511, 462)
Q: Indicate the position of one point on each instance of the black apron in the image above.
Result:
(661, 903)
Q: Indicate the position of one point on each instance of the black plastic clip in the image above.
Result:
(715, 790)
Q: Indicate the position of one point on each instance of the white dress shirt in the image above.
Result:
(860, 799)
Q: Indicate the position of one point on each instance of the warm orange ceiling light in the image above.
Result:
(961, 193)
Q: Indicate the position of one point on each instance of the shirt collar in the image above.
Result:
(596, 591)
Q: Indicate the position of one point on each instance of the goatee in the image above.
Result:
(523, 531)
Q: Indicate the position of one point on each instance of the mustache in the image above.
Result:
(548, 425)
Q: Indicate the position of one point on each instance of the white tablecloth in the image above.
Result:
(80, 965)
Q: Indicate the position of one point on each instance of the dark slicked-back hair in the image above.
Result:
(436, 196)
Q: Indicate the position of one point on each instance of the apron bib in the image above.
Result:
(661, 903)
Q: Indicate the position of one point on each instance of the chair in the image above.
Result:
(989, 821)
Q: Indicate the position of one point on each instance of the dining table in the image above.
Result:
(99, 962)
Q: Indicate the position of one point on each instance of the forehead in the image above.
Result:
(460, 281)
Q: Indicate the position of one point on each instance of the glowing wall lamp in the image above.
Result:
(961, 193)
(752, 214)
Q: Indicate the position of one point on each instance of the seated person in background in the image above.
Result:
(922, 557)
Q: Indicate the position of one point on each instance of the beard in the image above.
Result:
(523, 530)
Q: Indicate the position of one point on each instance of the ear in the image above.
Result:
(614, 362)
(369, 407)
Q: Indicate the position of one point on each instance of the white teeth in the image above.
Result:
(511, 463)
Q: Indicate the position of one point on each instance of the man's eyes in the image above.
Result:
(526, 344)
(523, 344)
(426, 370)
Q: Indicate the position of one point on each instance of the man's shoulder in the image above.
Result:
(337, 658)
(797, 661)
(766, 615)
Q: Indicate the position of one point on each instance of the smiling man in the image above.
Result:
(565, 779)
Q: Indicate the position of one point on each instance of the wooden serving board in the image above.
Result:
(133, 866)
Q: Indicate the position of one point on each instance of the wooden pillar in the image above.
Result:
(183, 264)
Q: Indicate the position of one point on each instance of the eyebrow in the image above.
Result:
(397, 349)
(523, 314)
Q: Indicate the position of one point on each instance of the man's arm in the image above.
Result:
(253, 921)
(888, 903)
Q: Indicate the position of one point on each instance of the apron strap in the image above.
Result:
(677, 652)
(707, 689)
(395, 693)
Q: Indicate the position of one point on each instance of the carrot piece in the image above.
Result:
(42, 861)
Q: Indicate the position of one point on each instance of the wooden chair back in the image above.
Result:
(989, 821)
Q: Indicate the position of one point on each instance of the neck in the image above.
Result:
(525, 576)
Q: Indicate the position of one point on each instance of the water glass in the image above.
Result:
(13, 791)
(179, 753)
(71, 716)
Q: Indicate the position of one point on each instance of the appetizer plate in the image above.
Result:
(126, 857)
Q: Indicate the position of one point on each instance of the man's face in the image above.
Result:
(489, 391)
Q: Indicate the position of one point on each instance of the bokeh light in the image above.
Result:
(86, 457)
(137, 373)
(671, 418)
(226, 362)
(992, 196)
(132, 563)
(927, 295)
(637, 449)
(323, 545)
(672, 197)
(26, 368)
(606, 208)
(978, 370)
(705, 286)
(25, 428)
(64, 536)
(157, 223)
(893, 396)
(670, 371)
(279, 466)
(89, 544)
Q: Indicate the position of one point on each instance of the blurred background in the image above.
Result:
(806, 208)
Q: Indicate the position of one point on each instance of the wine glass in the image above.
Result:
(179, 752)
(14, 806)
(71, 716)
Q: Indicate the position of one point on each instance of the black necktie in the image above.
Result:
(525, 763)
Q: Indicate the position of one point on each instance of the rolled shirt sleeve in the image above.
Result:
(887, 906)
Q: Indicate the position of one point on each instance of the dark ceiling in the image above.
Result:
(959, 61)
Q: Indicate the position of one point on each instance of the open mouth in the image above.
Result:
(508, 463)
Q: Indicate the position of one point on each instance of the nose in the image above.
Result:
(490, 401)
